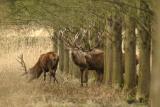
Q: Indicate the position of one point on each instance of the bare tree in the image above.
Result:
(155, 79)
(145, 47)
(130, 52)
(61, 53)
(117, 51)
(108, 51)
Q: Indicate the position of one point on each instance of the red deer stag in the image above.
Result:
(92, 59)
(47, 62)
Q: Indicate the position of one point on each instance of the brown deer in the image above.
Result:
(47, 62)
(92, 59)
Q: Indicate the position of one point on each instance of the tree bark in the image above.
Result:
(144, 45)
(130, 54)
(61, 55)
(66, 60)
(108, 53)
(55, 43)
(117, 51)
(155, 85)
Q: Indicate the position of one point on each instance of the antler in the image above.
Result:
(78, 39)
(97, 42)
(22, 62)
(67, 39)
(91, 44)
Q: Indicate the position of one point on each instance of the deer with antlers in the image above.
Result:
(47, 62)
(85, 59)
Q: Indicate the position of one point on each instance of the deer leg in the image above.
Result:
(55, 79)
(50, 77)
(44, 76)
(101, 77)
(86, 77)
(82, 71)
(98, 77)
(52, 74)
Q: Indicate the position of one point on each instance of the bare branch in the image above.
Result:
(22, 62)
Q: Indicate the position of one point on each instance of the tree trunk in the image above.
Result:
(117, 52)
(61, 55)
(55, 43)
(130, 55)
(155, 85)
(144, 45)
(66, 60)
(108, 54)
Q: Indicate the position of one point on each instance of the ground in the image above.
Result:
(16, 92)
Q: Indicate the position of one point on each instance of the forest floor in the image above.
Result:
(16, 92)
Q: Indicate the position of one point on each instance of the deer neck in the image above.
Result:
(78, 57)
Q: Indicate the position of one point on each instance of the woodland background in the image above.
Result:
(29, 27)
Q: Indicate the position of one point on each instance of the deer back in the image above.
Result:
(49, 61)
(45, 62)
(95, 60)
